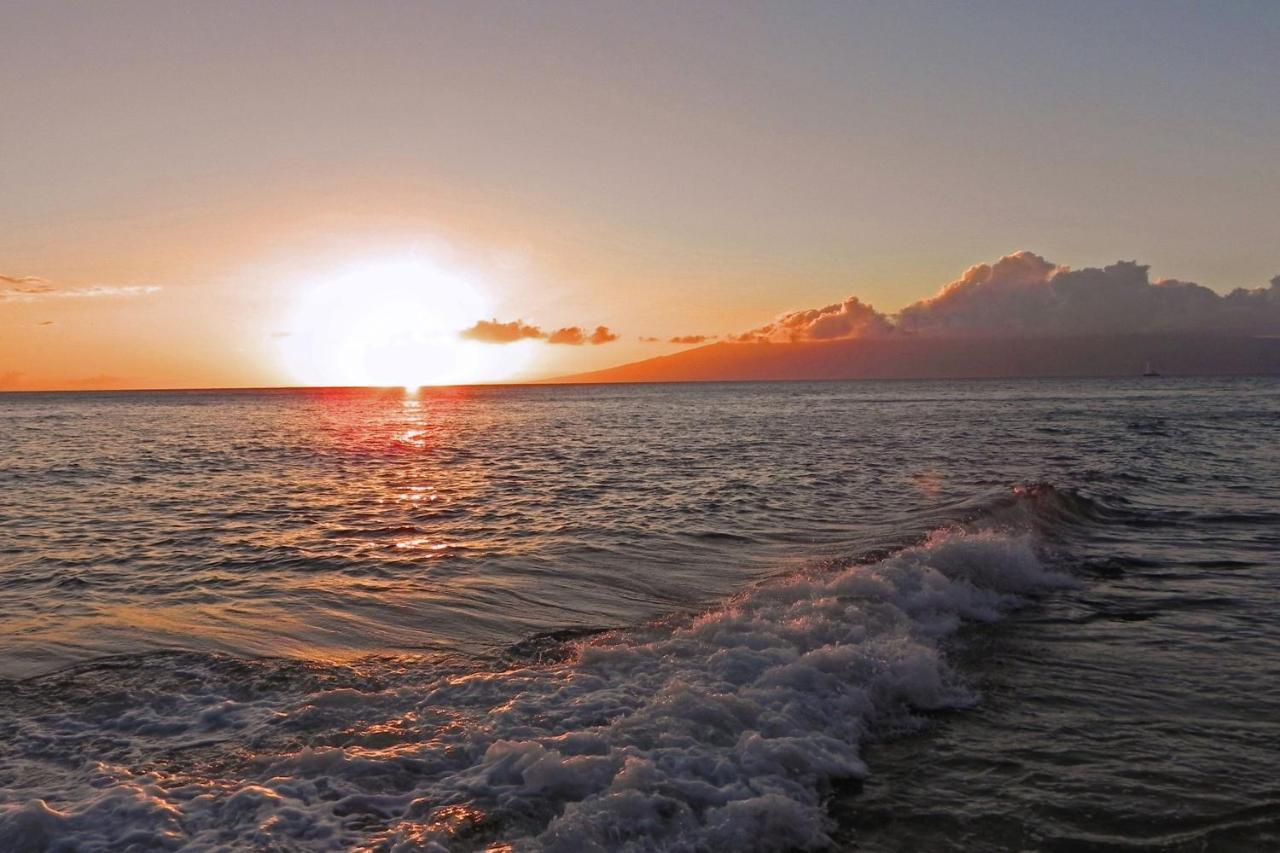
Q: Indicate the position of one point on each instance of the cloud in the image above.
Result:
(109, 292)
(602, 335)
(571, 335)
(692, 339)
(494, 332)
(851, 318)
(45, 323)
(33, 289)
(648, 339)
(26, 284)
(1024, 295)
(576, 336)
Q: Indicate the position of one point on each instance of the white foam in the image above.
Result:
(723, 731)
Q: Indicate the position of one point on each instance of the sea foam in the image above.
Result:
(720, 731)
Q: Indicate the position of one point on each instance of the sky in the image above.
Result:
(218, 194)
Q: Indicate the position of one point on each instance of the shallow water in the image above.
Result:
(879, 615)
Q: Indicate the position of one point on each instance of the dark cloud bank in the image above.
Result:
(1021, 316)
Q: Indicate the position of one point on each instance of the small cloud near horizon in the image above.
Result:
(571, 335)
(851, 318)
(1023, 295)
(496, 332)
(34, 289)
(25, 282)
(602, 335)
(692, 339)
(576, 336)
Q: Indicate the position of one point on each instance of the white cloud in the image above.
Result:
(1023, 295)
(851, 318)
(32, 289)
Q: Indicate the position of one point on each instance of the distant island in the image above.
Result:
(916, 357)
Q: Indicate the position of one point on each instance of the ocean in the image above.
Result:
(966, 615)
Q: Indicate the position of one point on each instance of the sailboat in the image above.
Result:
(1150, 371)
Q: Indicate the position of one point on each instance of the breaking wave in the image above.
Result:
(724, 730)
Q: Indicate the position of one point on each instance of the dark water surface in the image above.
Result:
(874, 615)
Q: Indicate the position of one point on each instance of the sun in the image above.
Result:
(393, 322)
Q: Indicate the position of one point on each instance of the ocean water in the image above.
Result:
(866, 615)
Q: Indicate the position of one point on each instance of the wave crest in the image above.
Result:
(722, 730)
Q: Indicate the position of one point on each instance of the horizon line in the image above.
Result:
(552, 382)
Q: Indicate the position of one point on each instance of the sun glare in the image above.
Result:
(393, 323)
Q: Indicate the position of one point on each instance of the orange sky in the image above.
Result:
(179, 177)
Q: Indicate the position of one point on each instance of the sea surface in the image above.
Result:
(1024, 615)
